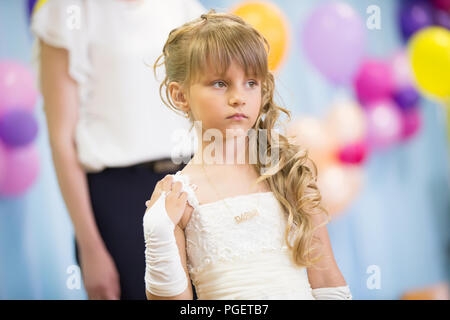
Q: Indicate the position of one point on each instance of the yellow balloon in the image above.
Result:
(448, 125)
(38, 5)
(268, 19)
(429, 53)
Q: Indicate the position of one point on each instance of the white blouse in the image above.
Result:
(112, 47)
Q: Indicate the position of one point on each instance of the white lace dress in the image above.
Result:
(244, 259)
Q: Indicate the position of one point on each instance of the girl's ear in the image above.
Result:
(178, 96)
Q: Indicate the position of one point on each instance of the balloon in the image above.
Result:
(30, 7)
(354, 153)
(374, 81)
(2, 163)
(312, 134)
(16, 87)
(33, 6)
(346, 122)
(339, 185)
(406, 97)
(333, 39)
(437, 291)
(413, 16)
(442, 18)
(401, 69)
(442, 4)
(429, 52)
(384, 122)
(411, 122)
(22, 168)
(268, 19)
(448, 126)
(18, 128)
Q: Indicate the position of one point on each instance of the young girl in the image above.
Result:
(237, 229)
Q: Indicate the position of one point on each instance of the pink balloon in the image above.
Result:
(411, 123)
(401, 70)
(2, 162)
(374, 81)
(17, 89)
(384, 120)
(22, 168)
(354, 153)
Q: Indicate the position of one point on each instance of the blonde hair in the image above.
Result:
(223, 38)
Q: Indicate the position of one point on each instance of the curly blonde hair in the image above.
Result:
(223, 38)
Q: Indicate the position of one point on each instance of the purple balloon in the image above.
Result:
(442, 18)
(374, 81)
(18, 128)
(413, 16)
(406, 97)
(30, 7)
(384, 124)
(411, 122)
(17, 89)
(22, 168)
(334, 41)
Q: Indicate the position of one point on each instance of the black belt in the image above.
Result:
(163, 165)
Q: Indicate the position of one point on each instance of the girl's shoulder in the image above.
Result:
(194, 176)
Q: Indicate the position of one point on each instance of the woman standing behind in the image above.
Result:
(106, 124)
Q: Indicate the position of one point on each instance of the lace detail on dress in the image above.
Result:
(235, 252)
(213, 233)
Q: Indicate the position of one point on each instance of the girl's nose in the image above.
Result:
(236, 99)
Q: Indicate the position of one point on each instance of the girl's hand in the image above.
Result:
(175, 199)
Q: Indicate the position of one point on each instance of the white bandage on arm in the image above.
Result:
(164, 272)
(332, 293)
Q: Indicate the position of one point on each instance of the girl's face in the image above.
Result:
(214, 100)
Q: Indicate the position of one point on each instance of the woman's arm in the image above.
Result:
(60, 94)
(325, 273)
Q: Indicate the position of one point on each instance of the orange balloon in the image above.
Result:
(339, 185)
(347, 122)
(268, 19)
(312, 134)
(435, 292)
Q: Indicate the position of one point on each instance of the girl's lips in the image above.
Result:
(237, 117)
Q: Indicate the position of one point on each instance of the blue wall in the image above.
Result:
(399, 222)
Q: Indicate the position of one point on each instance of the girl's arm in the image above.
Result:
(181, 243)
(327, 273)
(186, 294)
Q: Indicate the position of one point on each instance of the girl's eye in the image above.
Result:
(220, 84)
(253, 83)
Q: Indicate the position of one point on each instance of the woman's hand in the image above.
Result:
(175, 199)
(100, 276)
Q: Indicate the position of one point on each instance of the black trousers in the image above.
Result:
(118, 197)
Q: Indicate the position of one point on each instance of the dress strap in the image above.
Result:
(187, 187)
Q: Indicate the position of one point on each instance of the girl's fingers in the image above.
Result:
(167, 183)
(183, 196)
